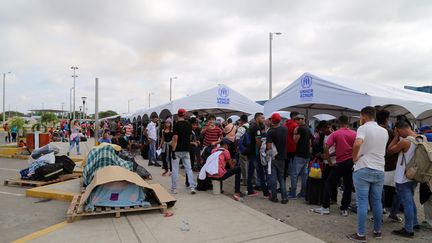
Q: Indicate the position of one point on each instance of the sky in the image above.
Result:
(135, 46)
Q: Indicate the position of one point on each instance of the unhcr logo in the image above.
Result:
(306, 82)
(223, 92)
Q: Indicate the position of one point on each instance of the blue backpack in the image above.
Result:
(244, 143)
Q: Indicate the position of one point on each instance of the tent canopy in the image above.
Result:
(313, 95)
(219, 100)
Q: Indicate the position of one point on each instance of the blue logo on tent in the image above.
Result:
(306, 82)
(223, 92)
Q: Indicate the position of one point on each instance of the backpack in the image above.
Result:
(244, 143)
(419, 167)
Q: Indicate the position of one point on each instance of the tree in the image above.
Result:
(49, 118)
(107, 113)
(18, 122)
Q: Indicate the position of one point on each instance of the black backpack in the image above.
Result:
(48, 172)
(68, 164)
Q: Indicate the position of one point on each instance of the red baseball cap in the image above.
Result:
(275, 118)
(181, 112)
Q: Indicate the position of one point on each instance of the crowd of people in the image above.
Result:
(368, 163)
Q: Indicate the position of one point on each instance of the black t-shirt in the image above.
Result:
(254, 133)
(303, 144)
(167, 136)
(390, 159)
(278, 136)
(183, 130)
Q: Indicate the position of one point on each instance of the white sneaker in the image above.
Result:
(193, 192)
(173, 191)
(322, 211)
(344, 213)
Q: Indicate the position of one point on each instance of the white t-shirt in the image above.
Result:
(373, 148)
(400, 177)
(151, 131)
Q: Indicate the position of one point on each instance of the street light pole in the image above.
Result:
(4, 97)
(84, 111)
(74, 76)
(150, 93)
(129, 100)
(70, 103)
(270, 61)
(171, 79)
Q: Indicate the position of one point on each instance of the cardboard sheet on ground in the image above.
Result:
(117, 173)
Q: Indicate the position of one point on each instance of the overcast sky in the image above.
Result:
(134, 47)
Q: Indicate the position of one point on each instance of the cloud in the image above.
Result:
(135, 46)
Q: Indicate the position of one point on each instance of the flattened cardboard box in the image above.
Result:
(116, 173)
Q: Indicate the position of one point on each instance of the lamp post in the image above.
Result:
(80, 114)
(70, 103)
(74, 76)
(150, 93)
(129, 100)
(270, 61)
(4, 96)
(84, 112)
(171, 79)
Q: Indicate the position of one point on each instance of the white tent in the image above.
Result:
(219, 100)
(314, 95)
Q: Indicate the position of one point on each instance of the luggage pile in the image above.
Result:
(46, 165)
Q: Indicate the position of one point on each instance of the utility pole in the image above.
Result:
(74, 76)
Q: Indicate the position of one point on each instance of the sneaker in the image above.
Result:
(157, 164)
(150, 163)
(416, 228)
(395, 218)
(237, 197)
(344, 213)
(284, 201)
(275, 200)
(165, 173)
(377, 235)
(356, 238)
(402, 232)
(173, 191)
(193, 192)
(253, 194)
(322, 211)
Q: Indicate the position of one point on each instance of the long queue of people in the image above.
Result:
(368, 163)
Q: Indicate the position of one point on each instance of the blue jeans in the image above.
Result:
(185, 157)
(278, 174)
(152, 151)
(254, 161)
(298, 168)
(406, 197)
(72, 143)
(367, 181)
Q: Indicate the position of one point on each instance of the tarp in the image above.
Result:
(311, 95)
(116, 173)
(219, 100)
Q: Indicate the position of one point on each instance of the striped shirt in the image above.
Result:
(212, 135)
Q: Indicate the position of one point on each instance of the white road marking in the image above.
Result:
(13, 194)
(9, 169)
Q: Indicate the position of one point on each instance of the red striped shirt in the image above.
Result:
(212, 135)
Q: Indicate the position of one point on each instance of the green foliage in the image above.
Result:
(18, 122)
(49, 118)
(107, 113)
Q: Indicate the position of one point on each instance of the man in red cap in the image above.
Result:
(181, 143)
(277, 137)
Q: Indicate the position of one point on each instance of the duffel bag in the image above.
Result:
(68, 164)
(48, 172)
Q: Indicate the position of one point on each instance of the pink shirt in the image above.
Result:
(343, 139)
(224, 157)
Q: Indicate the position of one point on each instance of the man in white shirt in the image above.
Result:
(151, 135)
(368, 176)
